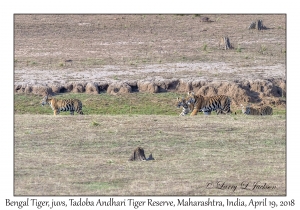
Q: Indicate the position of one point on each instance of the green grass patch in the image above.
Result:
(106, 104)
(100, 185)
(134, 103)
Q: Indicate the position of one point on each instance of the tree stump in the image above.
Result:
(252, 25)
(205, 19)
(225, 43)
(260, 25)
(138, 155)
(257, 25)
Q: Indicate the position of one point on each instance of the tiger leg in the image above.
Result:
(72, 112)
(79, 111)
(56, 112)
(195, 112)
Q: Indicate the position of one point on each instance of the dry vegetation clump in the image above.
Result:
(240, 91)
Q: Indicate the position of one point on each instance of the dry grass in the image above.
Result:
(88, 155)
(132, 46)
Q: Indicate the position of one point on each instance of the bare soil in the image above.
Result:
(137, 49)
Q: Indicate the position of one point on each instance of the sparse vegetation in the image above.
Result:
(262, 49)
(239, 49)
(94, 123)
(109, 50)
(189, 152)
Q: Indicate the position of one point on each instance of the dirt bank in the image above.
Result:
(241, 91)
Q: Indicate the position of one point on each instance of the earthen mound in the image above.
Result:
(37, 90)
(147, 86)
(79, 87)
(91, 88)
(118, 88)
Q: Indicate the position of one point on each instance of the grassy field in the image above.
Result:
(134, 103)
(88, 155)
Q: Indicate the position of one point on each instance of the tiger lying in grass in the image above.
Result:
(262, 110)
(63, 105)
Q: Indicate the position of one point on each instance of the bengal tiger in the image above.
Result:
(266, 110)
(262, 110)
(63, 105)
(186, 108)
(250, 110)
(219, 103)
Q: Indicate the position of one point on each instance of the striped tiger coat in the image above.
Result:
(262, 110)
(186, 108)
(219, 103)
(63, 105)
(266, 110)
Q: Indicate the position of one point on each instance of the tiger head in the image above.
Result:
(181, 102)
(191, 98)
(45, 100)
(245, 110)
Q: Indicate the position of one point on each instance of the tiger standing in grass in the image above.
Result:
(262, 110)
(186, 108)
(219, 103)
(63, 105)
